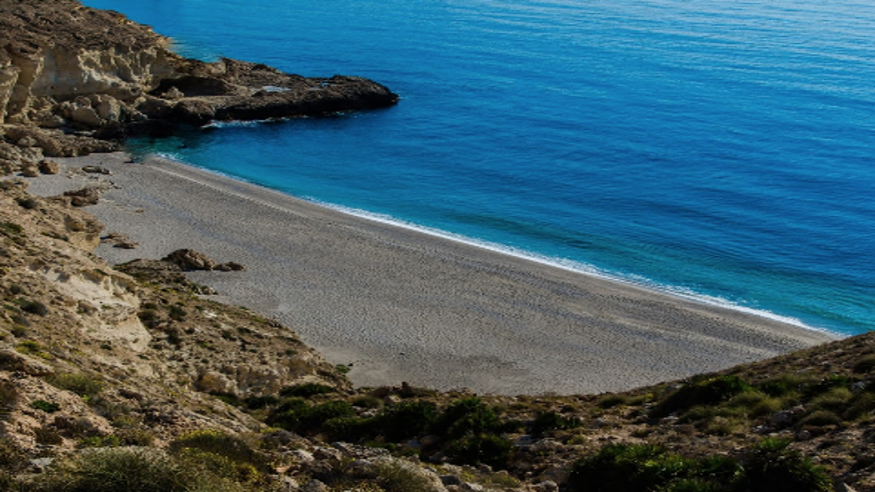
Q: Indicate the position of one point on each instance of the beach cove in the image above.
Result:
(395, 304)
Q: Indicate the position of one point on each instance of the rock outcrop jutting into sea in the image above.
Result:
(66, 67)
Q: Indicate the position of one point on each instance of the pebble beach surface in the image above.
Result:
(395, 304)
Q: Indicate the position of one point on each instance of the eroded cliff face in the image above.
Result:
(52, 52)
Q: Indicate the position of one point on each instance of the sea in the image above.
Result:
(722, 151)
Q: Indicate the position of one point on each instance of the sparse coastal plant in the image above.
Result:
(488, 449)
(704, 390)
(772, 466)
(547, 421)
(307, 389)
(45, 406)
(32, 347)
(85, 385)
(864, 365)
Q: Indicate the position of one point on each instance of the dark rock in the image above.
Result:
(49, 167)
(83, 197)
(194, 86)
(29, 171)
(229, 267)
(190, 260)
(118, 240)
(96, 170)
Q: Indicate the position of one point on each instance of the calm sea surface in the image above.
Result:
(723, 150)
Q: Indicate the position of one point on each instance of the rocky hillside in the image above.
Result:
(132, 368)
(123, 378)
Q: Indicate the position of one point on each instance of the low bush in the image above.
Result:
(768, 467)
(307, 389)
(401, 476)
(547, 421)
(820, 418)
(862, 404)
(466, 417)
(33, 307)
(772, 467)
(216, 442)
(129, 470)
(622, 467)
(297, 415)
(709, 390)
(406, 419)
(84, 385)
(864, 365)
(45, 406)
(487, 449)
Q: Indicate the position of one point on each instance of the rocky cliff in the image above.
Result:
(65, 69)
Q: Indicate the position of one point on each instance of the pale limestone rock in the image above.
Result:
(86, 115)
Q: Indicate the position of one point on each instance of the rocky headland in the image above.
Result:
(130, 377)
(75, 80)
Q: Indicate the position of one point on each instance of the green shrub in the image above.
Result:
(45, 406)
(860, 405)
(645, 467)
(84, 385)
(33, 307)
(834, 400)
(32, 347)
(259, 402)
(784, 385)
(296, 414)
(367, 401)
(622, 467)
(110, 441)
(350, 428)
(10, 229)
(725, 426)
(817, 388)
(401, 476)
(701, 391)
(610, 401)
(768, 406)
(864, 365)
(216, 442)
(465, 417)
(820, 418)
(176, 312)
(545, 421)
(488, 449)
(406, 419)
(307, 389)
(772, 467)
(129, 470)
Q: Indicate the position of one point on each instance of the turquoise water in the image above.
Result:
(721, 150)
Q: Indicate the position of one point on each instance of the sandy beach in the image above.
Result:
(399, 305)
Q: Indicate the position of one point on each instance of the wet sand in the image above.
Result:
(397, 304)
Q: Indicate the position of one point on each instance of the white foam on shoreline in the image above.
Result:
(573, 266)
(561, 263)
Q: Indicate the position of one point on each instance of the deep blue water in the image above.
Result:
(712, 148)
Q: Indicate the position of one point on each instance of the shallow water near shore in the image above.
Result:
(714, 149)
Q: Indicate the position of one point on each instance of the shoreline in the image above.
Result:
(568, 265)
(399, 304)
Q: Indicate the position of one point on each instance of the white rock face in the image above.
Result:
(113, 302)
(60, 74)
